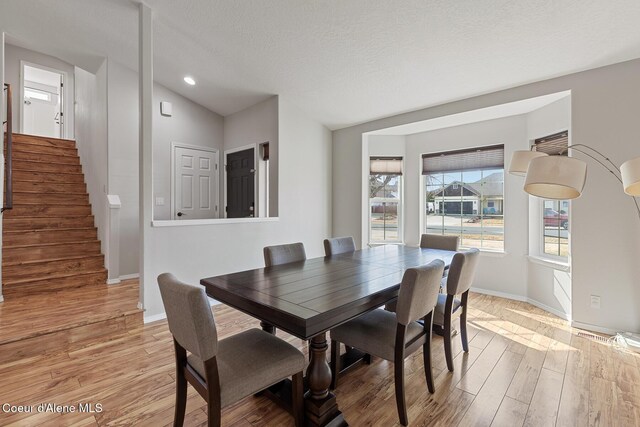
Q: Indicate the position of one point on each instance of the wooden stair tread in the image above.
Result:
(50, 244)
(47, 260)
(23, 136)
(50, 238)
(52, 277)
(44, 230)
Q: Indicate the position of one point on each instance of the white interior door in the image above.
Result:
(195, 183)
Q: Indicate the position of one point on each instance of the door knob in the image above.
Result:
(182, 214)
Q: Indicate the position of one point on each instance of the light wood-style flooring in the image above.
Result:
(524, 367)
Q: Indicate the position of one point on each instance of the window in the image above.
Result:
(555, 213)
(464, 196)
(555, 234)
(385, 200)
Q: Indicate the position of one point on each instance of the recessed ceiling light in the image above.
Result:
(189, 80)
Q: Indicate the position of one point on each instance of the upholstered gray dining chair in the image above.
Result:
(223, 371)
(395, 336)
(284, 254)
(339, 245)
(461, 273)
(437, 241)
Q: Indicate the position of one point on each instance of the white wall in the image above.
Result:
(193, 252)
(548, 286)
(91, 141)
(605, 104)
(13, 56)
(123, 112)
(255, 125)
(504, 273)
(190, 124)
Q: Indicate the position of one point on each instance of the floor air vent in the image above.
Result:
(593, 337)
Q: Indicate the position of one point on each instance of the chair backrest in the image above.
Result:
(339, 245)
(437, 241)
(189, 315)
(284, 254)
(462, 271)
(419, 291)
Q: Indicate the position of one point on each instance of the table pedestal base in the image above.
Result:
(323, 412)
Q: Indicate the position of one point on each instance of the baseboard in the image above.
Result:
(1, 298)
(163, 315)
(593, 328)
(551, 310)
(538, 304)
(113, 281)
(129, 276)
(499, 294)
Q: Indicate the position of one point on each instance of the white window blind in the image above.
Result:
(489, 157)
(553, 144)
(385, 166)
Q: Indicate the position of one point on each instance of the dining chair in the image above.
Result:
(284, 254)
(437, 241)
(223, 371)
(339, 245)
(433, 241)
(461, 273)
(395, 336)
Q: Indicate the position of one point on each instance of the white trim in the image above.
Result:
(255, 148)
(549, 262)
(64, 101)
(121, 278)
(593, 328)
(560, 314)
(216, 221)
(1, 298)
(163, 315)
(172, 196)
(531, 301)
(499, 294)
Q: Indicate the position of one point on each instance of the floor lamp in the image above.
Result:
(561, 177)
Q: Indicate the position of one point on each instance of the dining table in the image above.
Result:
(308, 298)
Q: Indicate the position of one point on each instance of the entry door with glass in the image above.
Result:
(43, 101)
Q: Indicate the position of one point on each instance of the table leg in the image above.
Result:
(321, 408)
(268, 327)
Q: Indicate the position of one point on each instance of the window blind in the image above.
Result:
(385, 165)
(553, 144)
(489, 157)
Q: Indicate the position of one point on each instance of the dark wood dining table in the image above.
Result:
(308, 298)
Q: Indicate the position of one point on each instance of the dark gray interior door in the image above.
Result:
(241, 184)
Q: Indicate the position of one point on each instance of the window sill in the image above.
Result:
(551, 263)
(493, 254)
(216, 221)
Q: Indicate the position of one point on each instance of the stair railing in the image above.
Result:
(8, 170)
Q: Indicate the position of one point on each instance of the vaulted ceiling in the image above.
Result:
(342, 61)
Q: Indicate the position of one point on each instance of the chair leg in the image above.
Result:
(214, 415)
(335, 363)
(181, 399)
(447, 342)
(463, 323)
(297, 397)
(400, 401)
(426, 352)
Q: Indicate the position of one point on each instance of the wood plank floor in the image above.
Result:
(524, 367)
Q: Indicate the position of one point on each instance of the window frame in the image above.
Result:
(425, 210)
(400, 213)
(541, 246)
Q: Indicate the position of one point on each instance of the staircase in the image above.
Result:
(49, 238)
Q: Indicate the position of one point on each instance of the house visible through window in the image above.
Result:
(464, 196)
(555, 213)
(385, 200)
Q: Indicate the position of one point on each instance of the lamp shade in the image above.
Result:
(520, 161)
(556, 177)
(630, 171)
